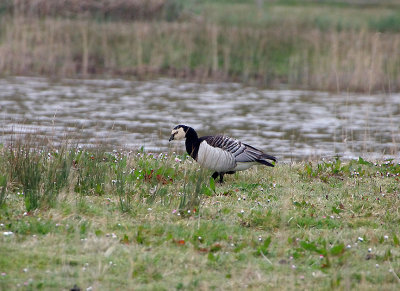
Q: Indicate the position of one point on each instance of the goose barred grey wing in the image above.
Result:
(241, 152)
(215, 152)
(223, 142)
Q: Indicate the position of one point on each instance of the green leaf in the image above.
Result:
(361, 161)
(337, 249)
(215, 248)
(125, 240)
(309, 246)
(207, 191)
(212, 184)
(139, 236)
(396, 241)
(296, 255)
(266, 243)
(336, 210)
(211, 257)
(388, 255)
(308, 168)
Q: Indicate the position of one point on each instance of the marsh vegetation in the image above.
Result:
(109, 220)
(329, 45)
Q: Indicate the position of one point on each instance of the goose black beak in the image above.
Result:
(171, 137)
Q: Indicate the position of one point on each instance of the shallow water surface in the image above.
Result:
(124, 113)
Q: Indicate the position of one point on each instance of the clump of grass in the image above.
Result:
(58, 168)
(91, 169)
(194, 187)
(326, 252)
(123, 189)
(39, 174)
(326, 169)
(26, 168)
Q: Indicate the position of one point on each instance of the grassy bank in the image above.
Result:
(333, 45)
(131, 220)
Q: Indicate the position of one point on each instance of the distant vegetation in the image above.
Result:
(326, 45)
(129, 10)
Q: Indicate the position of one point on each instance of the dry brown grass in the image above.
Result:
(361, 60)
(356, 60)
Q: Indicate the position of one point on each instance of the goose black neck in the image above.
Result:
(192, 143)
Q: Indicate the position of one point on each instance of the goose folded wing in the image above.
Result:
(240, 152)
(248, 154)
(224, 142)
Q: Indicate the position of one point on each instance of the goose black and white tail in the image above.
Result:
(222, 154)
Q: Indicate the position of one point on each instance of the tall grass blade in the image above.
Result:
(3, 188)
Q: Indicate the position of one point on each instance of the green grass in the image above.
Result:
(325, 16)
(132, 220)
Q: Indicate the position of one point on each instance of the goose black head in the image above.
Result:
(179, 132)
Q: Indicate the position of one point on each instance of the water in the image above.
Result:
(292, 125)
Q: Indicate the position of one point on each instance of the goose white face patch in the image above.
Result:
(178, 133)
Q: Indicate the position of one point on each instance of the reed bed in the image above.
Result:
(335, 60)
(350, 49)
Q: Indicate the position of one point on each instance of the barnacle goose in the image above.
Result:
(219, 153)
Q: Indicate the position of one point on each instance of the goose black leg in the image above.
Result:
(215, 175)
(221, 176)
